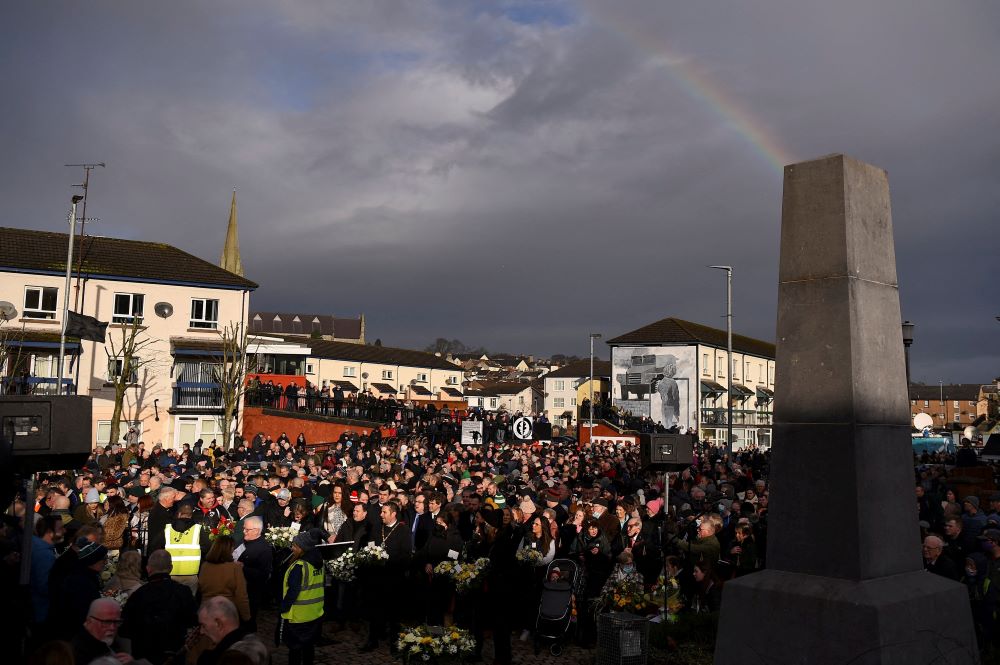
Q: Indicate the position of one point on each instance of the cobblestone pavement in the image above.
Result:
(345, 651)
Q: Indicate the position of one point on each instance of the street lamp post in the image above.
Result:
(590, 413)
(944, 411)
(907, 341)
(69, 274)
(729, 354)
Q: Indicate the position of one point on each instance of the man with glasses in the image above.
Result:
(257, 559)
(932, 550)
(99, 636)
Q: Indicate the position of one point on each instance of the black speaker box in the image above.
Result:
(666, 451)
(45, 433)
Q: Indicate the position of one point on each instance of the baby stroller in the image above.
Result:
(555, 611)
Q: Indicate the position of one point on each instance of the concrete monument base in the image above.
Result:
(914, 618)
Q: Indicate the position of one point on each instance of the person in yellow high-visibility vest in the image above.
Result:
(183, 541)
(302, 599)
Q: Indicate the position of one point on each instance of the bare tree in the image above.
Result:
(124, 362)
(13, 359)
(231, 375)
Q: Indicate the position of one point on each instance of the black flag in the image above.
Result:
(85, 327)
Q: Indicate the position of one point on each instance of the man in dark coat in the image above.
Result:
(80, 587)
(98, 635)
(160, 515)
(158, 614)
(390, 583)
(257, 559)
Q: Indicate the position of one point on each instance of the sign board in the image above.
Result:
(613, 440)
(523, 428)
(472, 432)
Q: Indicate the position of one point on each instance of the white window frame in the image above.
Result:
(387, 375)
(127, 318)
(38, 312)
(493, 402)
(350, 371)
(204, 322)
(572, 401)
(118, 363)
(123, 429)
(705, 370)
(559, 385)
(421, 377)
(453, 380)
(310, 368)
(558, 402)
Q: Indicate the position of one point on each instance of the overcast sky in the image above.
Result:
(517, 174)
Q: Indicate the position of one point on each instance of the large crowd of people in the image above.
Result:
(190, 534)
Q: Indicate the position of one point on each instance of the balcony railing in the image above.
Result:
(34, 385)
(197, 395)
(711, 417)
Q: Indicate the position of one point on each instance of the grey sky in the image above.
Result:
(517, 174)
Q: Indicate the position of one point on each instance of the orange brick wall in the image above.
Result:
(254, 420)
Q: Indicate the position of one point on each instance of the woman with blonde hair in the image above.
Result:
(128, 574)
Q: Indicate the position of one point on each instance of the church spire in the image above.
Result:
(231, 260)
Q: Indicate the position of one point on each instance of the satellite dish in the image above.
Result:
(163, 310)
(364, 375)
(922, 421)
(969, 432)
(7, 310)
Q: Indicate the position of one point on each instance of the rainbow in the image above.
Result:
(700, 87)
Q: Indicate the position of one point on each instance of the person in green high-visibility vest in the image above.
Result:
(302, 599)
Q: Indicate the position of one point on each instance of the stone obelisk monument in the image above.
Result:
(845, 581)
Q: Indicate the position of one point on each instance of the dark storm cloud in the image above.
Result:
(517, 174)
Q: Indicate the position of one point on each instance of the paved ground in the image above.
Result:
(346, 650)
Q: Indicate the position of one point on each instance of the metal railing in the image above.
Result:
(189, 395)
(740, 417)
(367, 409)
(34, 385)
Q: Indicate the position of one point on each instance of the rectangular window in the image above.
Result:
(704, 365)
(40, 302)
(349, 371)
(559, 402)
(520, 399)
(572, 401)
(310, 368)
(957, 418)
(128, 308)
(957, 404)
(452, 380)
(493, 402)
(387, 374)
(104, 430)
(421, 377)
(204, 313)
(559, 385)
(926, 403)
(115, 369)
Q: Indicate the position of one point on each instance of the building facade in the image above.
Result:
(567, 387)
(952, 406)
(179, 303)
(675, 372)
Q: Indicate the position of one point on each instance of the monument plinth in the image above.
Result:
(845, 581)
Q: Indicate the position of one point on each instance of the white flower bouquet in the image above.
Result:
(109, 569)
(528, 556)
(425, 643)
(280, 536)
(344, 567)
(466, 576)
(372, 555)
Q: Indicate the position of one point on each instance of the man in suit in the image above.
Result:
(423, 525)
(389, 587)
(257, 558)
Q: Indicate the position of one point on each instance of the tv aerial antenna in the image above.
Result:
(85, 185)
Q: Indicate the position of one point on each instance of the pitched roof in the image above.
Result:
(384, 387)
(952, 391)
(385, 355)
(284, 322)
(44, 252)
(678, 331)
(505, 387)
(581, 368)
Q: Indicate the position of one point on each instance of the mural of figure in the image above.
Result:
(666, 387)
